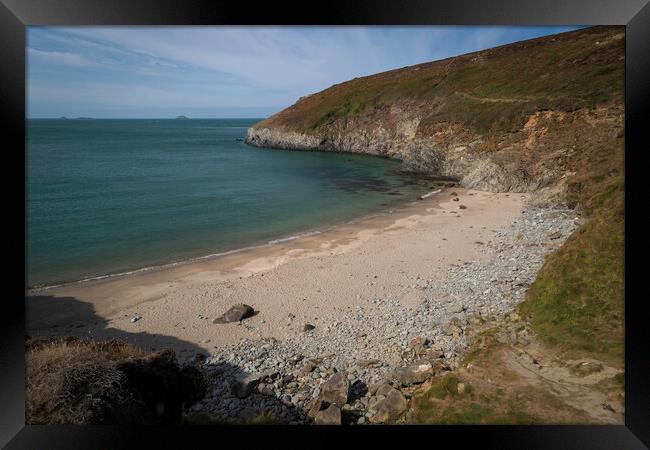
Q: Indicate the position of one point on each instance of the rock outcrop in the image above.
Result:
(455, 117)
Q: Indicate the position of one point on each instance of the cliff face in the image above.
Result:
(519, 118)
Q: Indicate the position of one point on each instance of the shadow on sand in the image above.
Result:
(47, 316)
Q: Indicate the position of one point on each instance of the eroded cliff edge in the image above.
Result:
(526, 117)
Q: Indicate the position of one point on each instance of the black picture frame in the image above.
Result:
(16, 15)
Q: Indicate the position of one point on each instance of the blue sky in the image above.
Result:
(160, 72)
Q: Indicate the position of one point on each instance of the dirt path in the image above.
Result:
(513, 377)
(494, 99)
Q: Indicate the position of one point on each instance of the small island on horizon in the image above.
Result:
(182, 118)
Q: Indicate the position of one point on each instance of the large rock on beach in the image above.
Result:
(235, 314)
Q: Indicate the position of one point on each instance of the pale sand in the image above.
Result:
(317, 278)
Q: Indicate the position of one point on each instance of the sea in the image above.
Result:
(106, 197)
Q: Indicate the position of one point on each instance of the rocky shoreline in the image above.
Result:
(453, 152)
(352, 371)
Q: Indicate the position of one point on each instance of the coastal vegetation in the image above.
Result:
(487, 90)
(87, 382)
(577, 301)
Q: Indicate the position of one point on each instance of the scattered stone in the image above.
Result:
(335, 390)
(457, 309)
(308, 327)
(243, 388)
(418, 344)
(452, 328)
(413, 374)
(199, 358)
(236, 313)
(307, 368)
(295, 359)
(455, 199)
(383, 389)
(555, 235)
(369, 363)
(328, 416)
(461, 388)
(608, 407)
(462, 207)
(390, 408)
(431, 354)
(135, 318)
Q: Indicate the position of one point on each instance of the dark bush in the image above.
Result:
(75, 381)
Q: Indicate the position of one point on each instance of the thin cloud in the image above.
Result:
(61, 58)
(198, 67)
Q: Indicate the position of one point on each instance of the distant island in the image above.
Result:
(84, 118)
(182, 117)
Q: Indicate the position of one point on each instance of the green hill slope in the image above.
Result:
(493, 89)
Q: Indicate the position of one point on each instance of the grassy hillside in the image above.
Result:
(495, 89)
(577, 301)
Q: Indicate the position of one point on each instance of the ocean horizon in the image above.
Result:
(112, 196)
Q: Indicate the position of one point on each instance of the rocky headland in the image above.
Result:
(517, 118)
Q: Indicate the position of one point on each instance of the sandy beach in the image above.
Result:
(315, 278)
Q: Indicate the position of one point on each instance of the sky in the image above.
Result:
(225, 72)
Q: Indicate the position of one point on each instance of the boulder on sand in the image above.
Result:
(235, 314)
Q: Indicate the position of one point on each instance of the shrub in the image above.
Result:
(83, 382)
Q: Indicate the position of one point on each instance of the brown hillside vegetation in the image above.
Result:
(83, 382)
(489, 90)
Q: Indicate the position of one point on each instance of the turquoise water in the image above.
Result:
(109, 196)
